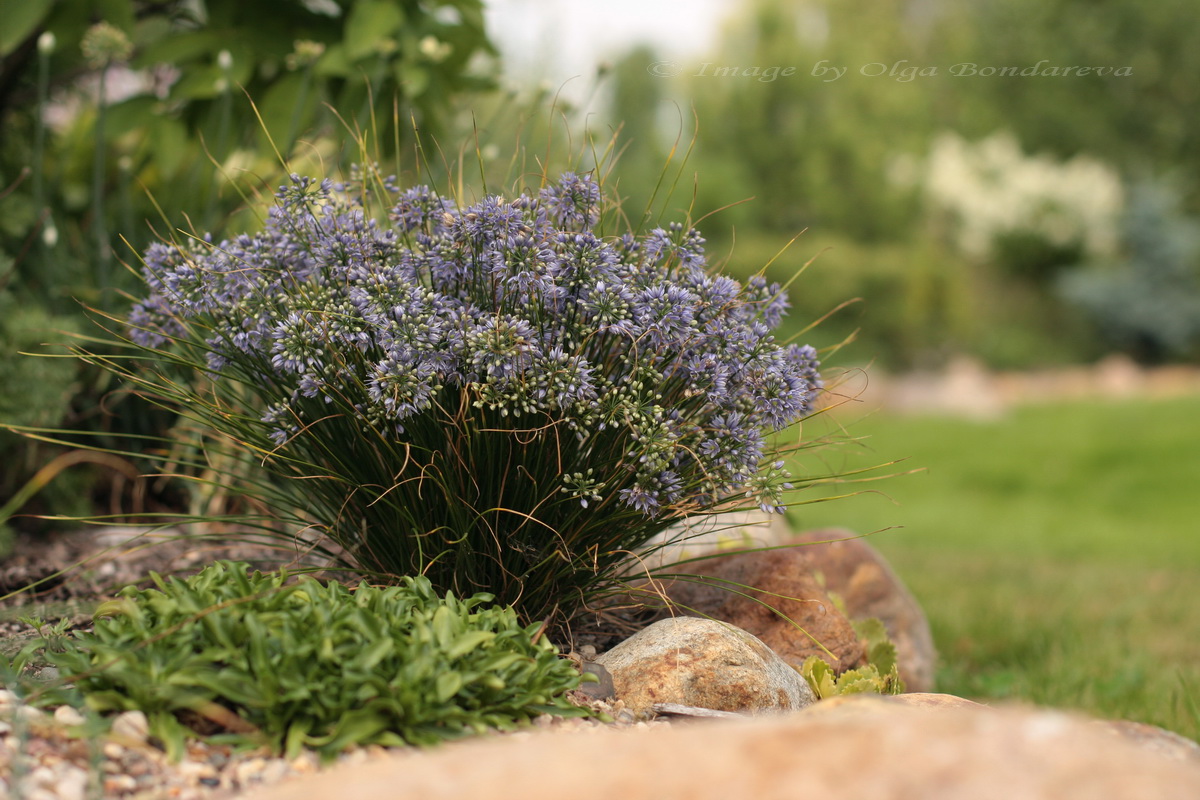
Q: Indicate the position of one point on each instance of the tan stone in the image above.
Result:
(884, 704)
(852, 570)
(906, 754)
(1152, 737)
(774, 595)
(703, 663)
(703, 534)
(934, 700)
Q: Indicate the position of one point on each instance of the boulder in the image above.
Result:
(854, 572)
(884, 704)
(774, 595)
(700, 662)
(698, 535)
(1152, 737)
(904, 754)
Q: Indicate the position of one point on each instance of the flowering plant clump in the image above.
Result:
(496, 396)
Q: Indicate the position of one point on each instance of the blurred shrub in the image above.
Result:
(911, 299)
(33, 391)
(1028, 215)
(823, 151)
(153, 119)
(117, 116)
(1147, 302)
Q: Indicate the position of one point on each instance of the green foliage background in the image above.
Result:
(818, 155)
(217, 100)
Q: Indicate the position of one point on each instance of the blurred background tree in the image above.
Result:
(882, 166)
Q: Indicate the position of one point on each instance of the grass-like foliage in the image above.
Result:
(308, 664)
(496, 396)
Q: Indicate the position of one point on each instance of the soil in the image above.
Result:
(65, 575)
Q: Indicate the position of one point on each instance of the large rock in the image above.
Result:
(903, 754)
(1152, 737)
(775, 595)
(703, 663)
(881, 704)
(702, 534)
(853, 571)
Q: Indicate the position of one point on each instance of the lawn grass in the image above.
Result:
(1055, 550)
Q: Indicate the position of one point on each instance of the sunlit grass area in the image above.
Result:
(1054, 550)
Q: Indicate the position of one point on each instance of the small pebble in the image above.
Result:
(67, 715)
(196, 770)
(249, 772)
(7, 698)
(119, 784)
(71, 783)
(40, 776)
(306, 763)
(30, 714)
(276, 770)
(131, 725)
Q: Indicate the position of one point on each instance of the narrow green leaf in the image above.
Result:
(448, 684)
(21, 18)
(468, 642)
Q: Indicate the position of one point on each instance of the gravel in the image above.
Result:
(44, 755)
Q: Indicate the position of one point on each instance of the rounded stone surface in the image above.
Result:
(905, 754)
(699, 662)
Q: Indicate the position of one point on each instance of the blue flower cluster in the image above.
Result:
(510, 307)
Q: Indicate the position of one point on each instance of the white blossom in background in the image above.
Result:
(990, 188)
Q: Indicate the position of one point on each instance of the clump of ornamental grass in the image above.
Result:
(496, 396)
(258, 660)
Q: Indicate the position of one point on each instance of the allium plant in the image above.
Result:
(497, 396)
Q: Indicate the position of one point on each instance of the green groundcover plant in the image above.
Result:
(880, 675)
(308, 664)
(496, 396)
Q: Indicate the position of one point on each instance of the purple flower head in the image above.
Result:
(489, 221)
(500, 347)
(665, 313)
(573, 203)
(420, 208)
